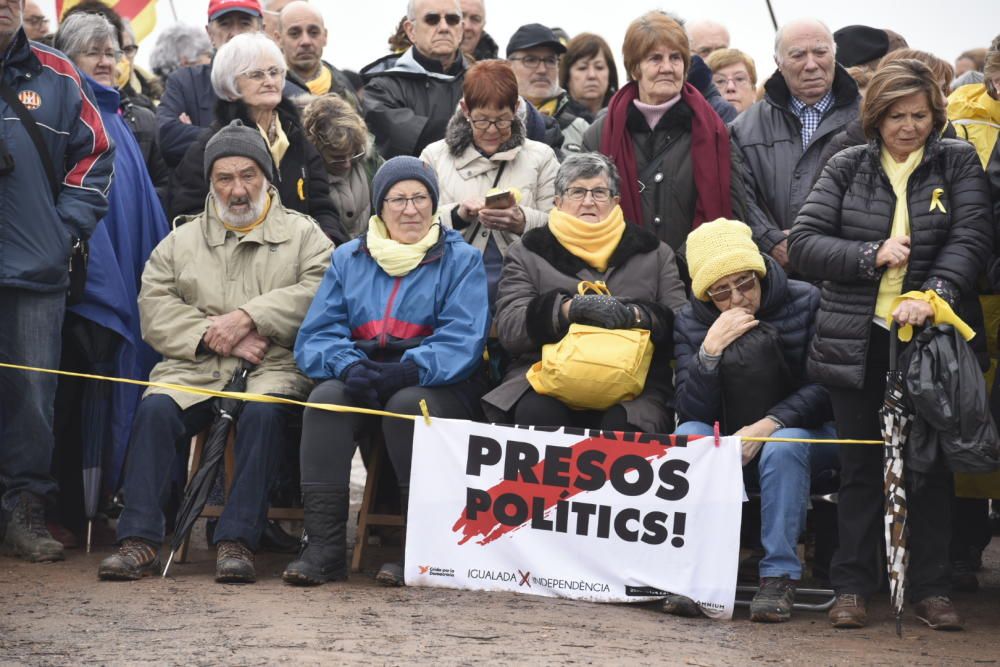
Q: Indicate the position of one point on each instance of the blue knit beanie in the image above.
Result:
(402, 168)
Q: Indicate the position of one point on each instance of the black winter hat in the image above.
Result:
(532, 35)
(236, 139)
(860, 44)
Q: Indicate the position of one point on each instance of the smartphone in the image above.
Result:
(504, 199)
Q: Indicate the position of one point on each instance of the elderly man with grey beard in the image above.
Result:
(232, 286)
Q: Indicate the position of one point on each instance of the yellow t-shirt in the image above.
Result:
(891, 285)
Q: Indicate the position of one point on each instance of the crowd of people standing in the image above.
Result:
(364, 238)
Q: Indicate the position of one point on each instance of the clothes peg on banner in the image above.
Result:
(717, 435)
(425, 412)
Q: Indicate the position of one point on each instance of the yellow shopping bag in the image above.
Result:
(593, 368)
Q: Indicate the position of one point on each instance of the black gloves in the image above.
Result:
(373, 383)
(601, 311)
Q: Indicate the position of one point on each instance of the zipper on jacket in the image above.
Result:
(383, 337)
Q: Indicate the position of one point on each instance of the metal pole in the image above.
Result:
(770, 11)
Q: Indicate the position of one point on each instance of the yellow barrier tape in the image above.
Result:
(243, 396)
(331, 407)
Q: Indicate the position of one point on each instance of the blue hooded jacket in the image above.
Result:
(134, 224)
(436, 316)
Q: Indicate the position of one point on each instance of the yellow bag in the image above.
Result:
(593, 368)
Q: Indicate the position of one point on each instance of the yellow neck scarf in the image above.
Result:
(395, 258)
(321, 84)
(891, 284)
(280, 145)
(256, 223)
(548, 108)
(591, 242)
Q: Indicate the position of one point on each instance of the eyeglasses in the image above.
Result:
(99, 55)
(258, 75)
(451, 19)
(36, 21)
(740, 80)
(485, 123)
(531, 62)
(130, 50)
(398, 204)
(600, 195)
(723, 295)
(333, 159)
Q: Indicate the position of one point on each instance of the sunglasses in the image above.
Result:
(451, 19)
(723, 295)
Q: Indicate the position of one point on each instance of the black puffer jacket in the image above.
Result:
(790, 307)
(847, 217)
(143, 124)
(301, 180)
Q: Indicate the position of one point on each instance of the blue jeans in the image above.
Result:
(784, 471)
(161, 429)
(30, 335)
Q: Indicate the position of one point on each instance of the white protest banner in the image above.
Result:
(593, 515)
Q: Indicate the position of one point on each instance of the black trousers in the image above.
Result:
(857, 564)
(534, 409)
(329, 438)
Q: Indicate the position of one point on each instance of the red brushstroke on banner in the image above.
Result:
(490, 529)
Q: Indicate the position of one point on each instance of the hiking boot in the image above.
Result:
(773, 601)
(391, 574)
(680, 605)
(135, 559)
(324, 554)
(848, 611)
(938, 613)
(234, 564)
(26, 535)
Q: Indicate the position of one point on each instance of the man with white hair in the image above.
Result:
(410, 98)
(476, 42)
(230, 287)
(707, 36)
(807, 101)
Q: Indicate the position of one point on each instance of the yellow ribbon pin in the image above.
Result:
(936, 200)
(302, 189)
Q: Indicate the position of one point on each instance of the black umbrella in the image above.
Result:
(196, 495)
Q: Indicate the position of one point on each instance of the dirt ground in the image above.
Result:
(60, 614)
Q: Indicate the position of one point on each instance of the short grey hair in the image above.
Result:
(411, 8)
(177, 44)
(586, 165)
(779, 36)
(245, 52)
(82, 31)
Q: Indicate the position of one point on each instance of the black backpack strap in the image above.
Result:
(31, 126)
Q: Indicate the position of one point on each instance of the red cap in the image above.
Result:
(217, 8)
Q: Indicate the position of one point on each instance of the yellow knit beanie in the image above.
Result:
(720, 248)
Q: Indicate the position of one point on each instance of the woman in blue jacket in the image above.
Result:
(741, 349)
(401, 316)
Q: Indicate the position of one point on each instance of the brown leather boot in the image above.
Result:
(134, 559)
(848, 611)
(938, 613)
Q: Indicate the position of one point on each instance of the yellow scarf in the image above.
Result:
(591, 242)
(549, 108)
(123, 73)
(321, 84)
(943, 314)
(899, 174)
(395, 258)
(256, 223)
(280, 145)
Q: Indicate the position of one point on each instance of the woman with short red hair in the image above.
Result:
(485, 151)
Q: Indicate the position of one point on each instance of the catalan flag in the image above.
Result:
(142, 13)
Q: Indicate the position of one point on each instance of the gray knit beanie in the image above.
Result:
(403, 168)
(236, 139)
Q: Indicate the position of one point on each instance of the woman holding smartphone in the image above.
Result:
(495, 182)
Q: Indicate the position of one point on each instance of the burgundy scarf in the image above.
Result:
(710, 156)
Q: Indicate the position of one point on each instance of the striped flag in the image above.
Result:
(142, 13)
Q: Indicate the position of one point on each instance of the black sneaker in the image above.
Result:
(26, 535)
(234, 564)
(773, 601)
(680, 605)
(134, 560)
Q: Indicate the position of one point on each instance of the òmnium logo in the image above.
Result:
(432, 571)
